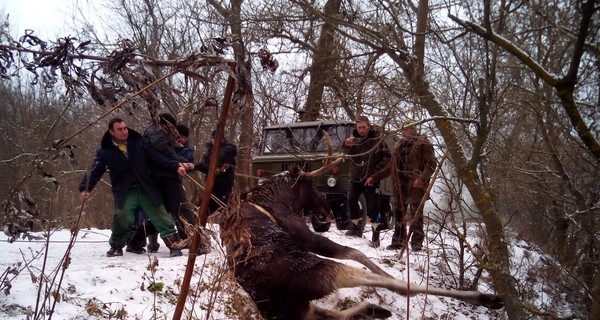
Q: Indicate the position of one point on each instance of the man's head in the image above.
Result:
(165, 118)
(118, 130)
(184, 133)
(363, 125)
(409, 128)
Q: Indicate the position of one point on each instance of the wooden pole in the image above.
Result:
(203, 211)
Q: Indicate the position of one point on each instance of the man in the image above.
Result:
(412, 165)
(162, 137)
(127, 156)
(184, 148)
(226, 170)
(369, 153)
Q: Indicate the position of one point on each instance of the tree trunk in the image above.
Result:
(323, 63)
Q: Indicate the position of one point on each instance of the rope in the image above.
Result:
(212, 196)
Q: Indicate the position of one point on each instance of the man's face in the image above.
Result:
(362, 128)
(119, 132)
(409, 132)
(182, 139)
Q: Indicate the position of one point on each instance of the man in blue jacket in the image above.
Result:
(184, 149)
(127, 155)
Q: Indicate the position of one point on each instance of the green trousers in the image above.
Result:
(123, 219)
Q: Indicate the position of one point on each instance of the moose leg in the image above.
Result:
(315, 243)
(364, 309)
(348, 277)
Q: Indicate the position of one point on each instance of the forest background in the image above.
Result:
(507, 90)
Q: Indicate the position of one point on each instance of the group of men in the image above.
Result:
(411, 164)
(146, 176)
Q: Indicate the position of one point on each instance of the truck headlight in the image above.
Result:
(331, 182)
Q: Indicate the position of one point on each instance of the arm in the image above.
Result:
(91, 178)
(161, 160)
(430, 161)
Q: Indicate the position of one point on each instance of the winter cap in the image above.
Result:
(183, 130)
(167, 117)
(409, 123)
(213, 133)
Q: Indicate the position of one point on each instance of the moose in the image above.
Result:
(274, 258)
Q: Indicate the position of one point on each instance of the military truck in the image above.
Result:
(302, 144)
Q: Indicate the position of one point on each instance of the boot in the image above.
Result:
(138, 241)
(204, 246)
(375, 243)
(169, 241)
(153, 244)
(354, 230)
(115, 251)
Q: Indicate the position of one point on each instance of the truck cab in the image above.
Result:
(302, 144)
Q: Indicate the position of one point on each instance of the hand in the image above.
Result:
(84, 196)
(369, 181)
(350, 141)
(181, 170)
(417, 183)
(188, 166)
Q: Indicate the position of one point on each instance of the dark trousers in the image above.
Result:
(416, 227)
(371, 194)
(222, 191)
(176, 203)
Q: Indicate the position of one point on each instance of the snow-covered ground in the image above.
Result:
(97, 287)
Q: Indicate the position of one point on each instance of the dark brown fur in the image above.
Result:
(273, 255)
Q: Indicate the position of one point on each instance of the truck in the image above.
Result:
(302, 144)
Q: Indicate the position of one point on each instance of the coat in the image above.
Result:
(125, 170)
(185, 152)
(227, 155)
(160, 142)
(366, 165)
(418, 162)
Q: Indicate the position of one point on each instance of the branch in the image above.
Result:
(507, 45)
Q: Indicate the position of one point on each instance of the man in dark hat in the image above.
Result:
(162, 136)
(184, 148)
(226, 170)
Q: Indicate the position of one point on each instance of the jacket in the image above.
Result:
(411, 159)
(160, 142)
(185, 152)
(227, 154)
(127, 170)
(364, 166)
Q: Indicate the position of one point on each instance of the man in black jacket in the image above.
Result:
(370, 155)
(127, 156)
(162, 136)
(226, 170)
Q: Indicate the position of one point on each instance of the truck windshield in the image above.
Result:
(304, 139)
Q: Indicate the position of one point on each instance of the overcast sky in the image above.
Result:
(48, 18)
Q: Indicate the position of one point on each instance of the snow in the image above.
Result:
(98, 287)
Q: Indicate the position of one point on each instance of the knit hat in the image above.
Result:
(183, 130)
(409, 123)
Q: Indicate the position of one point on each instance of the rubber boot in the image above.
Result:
(138, 241)
(375, 243)
(355, 230)
(115, 251)
(153, 244)
(204, 245)
(169, 241)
